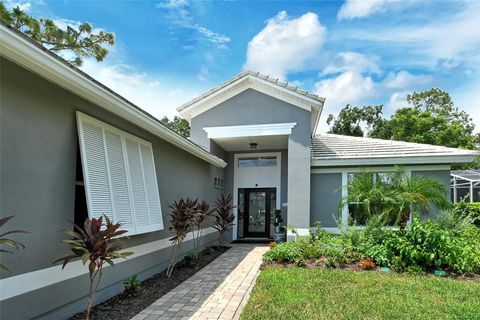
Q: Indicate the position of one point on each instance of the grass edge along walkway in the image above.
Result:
(298, 293)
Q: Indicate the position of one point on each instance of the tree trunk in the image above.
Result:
(91, 291)
(404, 218)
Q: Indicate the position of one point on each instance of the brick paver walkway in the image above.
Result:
(218, 291)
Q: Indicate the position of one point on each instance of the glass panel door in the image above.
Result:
(257, 212)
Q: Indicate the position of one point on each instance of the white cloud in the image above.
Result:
(179, 14)
(397, 100)
(447, 43)
(22, 5)
(353, 61)
(404, 79)
(352, 9)
(285, 44)
(157, 97)
(348, 87)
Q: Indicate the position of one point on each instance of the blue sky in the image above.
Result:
(371, 52)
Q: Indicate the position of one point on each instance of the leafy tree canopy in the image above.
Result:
(177, 124)
(430, 118)
(349, 121)
(79, 41)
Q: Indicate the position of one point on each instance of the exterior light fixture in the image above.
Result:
(253, 145)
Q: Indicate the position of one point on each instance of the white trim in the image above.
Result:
(26, 282)
(237, 185)
(255, 130)
(344, 194)
(393, 160)
(21, 51)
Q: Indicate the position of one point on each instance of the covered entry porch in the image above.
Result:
(267, 175)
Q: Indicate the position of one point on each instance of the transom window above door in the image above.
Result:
(268, 161)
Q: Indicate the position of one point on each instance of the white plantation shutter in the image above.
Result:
(120, 177)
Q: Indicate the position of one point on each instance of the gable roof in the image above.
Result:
(332, 149)
(20, 49)
(263, 83)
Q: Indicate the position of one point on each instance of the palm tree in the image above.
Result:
(415, 194)
(393, 196)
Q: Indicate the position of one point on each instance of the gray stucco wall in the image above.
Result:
(326, 194)
(441, 175)
(325, 198)
(38, 140)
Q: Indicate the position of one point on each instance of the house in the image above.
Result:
(72, 148)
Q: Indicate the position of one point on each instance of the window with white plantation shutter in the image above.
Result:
(120, 177)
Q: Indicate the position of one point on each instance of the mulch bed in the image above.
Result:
(121, 307)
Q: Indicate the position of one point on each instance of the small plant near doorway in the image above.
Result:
(96, 242)
(223, 216)
(279, 235)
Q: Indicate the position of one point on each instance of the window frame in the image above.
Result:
(258, 159)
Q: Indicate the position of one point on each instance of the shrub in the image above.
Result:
(422, 246)
(286, 252)
(453, 219)
(469, 210)
(96, 243)
(131, 286)
(376, 250)
(191, 258)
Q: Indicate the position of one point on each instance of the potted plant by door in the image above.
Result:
(279, 235)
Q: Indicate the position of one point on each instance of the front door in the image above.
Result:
(258, 207)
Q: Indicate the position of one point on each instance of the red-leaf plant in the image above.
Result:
(95, 243)
(223, 215)
(9, 242)
(183, 216)
(202, 213)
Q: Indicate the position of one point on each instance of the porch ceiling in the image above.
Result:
(263, 143)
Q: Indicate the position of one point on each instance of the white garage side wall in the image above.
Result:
(255, 177)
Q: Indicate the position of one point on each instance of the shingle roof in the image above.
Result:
(257, 75)
(336, 147)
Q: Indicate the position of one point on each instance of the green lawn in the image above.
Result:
(296, 293)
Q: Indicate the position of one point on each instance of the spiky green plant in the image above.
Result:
(9, 242)
(95, 243)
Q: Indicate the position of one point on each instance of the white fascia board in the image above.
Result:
(250, 130)
(393, 161)
(33, 58)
